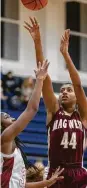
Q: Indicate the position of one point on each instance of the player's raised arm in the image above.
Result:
(79, 92)
(13, 130)
(48, 93)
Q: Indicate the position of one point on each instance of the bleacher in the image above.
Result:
(34, 136)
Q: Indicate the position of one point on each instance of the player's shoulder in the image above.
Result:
(78, 116)
(51, 116)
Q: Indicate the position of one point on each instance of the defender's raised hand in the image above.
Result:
(56, 176)
(33, 28)
(65, 42)
(41, 71)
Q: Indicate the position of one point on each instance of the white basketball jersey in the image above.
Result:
(13, 172)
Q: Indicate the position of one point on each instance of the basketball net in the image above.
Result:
(79, 1)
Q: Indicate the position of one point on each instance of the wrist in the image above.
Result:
(49, 182)
(65, 53)
(37, 39)
(39, 79)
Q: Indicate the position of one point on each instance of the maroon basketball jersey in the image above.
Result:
(66, 136)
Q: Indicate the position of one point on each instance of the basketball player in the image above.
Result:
(13, 173)
(66, 118)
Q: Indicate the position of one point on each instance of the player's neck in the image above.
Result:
(69, 109)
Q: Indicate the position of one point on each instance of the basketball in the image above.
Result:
(34, 4)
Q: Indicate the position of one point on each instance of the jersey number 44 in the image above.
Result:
(65, 140)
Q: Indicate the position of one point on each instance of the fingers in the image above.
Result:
(42, 70)
(39, 66)
(57, 170)
(63, 40)
(28, 25)
(27, 28)
(65, 37)
(45, 65)
(38, 69)
(36, 23)
(60, 172)
(67, 34)
(32, 21)
(60, 178)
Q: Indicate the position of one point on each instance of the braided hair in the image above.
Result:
(27, 163)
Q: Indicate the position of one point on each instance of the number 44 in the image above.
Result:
(65, 140)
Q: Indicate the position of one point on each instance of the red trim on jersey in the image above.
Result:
(6, 172)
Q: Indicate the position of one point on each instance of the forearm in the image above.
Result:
(35, 98)
(72, 70)
(40, 58)
(50, 99)
(40, 184)
(38, 51)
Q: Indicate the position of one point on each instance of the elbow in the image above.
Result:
(35, 108)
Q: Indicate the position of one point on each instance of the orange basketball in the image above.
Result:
(34, 4)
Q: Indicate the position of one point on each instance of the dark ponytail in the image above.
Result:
(27, 163)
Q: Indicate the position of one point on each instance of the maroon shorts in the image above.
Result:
(73, 178)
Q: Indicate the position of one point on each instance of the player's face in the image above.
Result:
(67, 95)
(6, 120)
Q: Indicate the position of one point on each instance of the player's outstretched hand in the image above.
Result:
(41, 71)
(56, 176)
(33, 28)
(64, 44)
